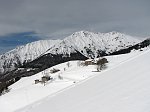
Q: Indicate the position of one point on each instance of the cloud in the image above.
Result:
(59, 18)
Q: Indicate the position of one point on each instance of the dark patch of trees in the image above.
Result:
(4, 86)
(143, 44)
(50, 60)
(101, 53)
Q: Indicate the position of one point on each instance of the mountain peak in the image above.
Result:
(87, 43)
(85, 33)
(82, 33)
(114, 32)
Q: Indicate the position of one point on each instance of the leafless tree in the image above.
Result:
(68, 64)
(60, 77)
(101, 64)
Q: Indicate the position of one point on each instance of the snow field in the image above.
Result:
(25, 93)
(125, 88)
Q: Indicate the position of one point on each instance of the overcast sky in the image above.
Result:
(56, 18)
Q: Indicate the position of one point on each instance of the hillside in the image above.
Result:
(23, 54)
(80, 46)
(140, 45)
(82, 89)
(124, 88)
(88, 44)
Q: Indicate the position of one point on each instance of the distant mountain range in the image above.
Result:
(78, 46)
(23, 54)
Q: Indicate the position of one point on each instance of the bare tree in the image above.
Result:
(101, 64)
(68, 64)
(60, 77)
(82, 64)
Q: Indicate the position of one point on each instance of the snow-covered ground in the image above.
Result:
(122, 87)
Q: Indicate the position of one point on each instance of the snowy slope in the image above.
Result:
(24, 53)
(124, 88)
(82, 89)
(93, 44)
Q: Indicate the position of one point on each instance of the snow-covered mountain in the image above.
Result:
(26, 53)
(122, 87)
(87, 43)
(93, 44)
(80, 46)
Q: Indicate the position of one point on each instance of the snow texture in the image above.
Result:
(122, 87)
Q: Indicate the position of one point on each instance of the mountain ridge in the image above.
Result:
(95, 42)
(23, 54)
(89, 44)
